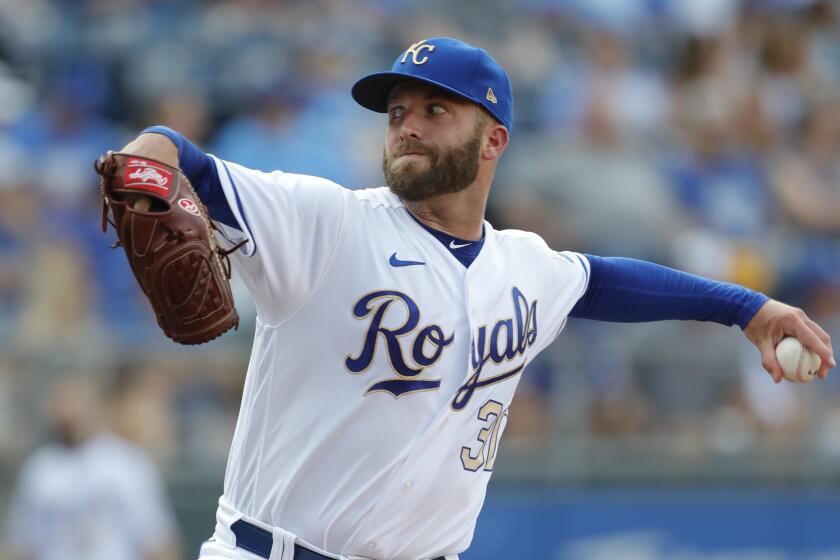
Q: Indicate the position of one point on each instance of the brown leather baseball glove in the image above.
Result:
(169, 241)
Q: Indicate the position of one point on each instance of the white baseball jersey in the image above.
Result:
(382, 368)
(102, 500)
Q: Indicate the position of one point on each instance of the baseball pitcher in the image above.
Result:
(393, 323)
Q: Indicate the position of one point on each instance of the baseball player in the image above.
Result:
(394, 323)
(88, 494)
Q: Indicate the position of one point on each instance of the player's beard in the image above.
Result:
(448, 171)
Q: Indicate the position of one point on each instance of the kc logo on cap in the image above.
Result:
(415, 50)
(450, 64)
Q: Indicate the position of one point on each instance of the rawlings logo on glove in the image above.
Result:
(140, 174)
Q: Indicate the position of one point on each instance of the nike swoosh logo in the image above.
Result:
(398, 262)
(453, 245)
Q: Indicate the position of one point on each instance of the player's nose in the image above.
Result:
(410, 127)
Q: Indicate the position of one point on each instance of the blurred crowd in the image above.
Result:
(700, 134)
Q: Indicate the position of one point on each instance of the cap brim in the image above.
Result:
(372, 91)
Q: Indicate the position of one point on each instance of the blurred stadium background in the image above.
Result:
(701, 134)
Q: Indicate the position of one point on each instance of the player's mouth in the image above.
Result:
(411, 155)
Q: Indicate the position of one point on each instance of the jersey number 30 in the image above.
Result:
(493, 414)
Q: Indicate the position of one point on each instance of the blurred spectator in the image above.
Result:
(806, 177)
(806, 174)
(184, 110)
(15, 96)
(823, 56)
(710, 93)
(784, 81)
(19, 222)
(606, 84)
(703, 17)
(141, 410)
(88, 495)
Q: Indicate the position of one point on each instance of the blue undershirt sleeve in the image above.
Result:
(632, 291)
(201, 171)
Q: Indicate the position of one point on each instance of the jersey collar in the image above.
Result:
(465, 250)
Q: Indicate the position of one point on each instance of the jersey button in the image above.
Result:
(372, 545)
(409, 484)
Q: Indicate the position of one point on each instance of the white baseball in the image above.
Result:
(799, 364)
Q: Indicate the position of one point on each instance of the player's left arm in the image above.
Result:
(632, 291)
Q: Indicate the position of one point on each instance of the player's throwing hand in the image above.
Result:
(773, 322)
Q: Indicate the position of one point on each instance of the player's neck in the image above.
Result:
(459, 214)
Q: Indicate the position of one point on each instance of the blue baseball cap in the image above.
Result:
(453, 65)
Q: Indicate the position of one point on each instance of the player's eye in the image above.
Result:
(395, 112)
(436, 109)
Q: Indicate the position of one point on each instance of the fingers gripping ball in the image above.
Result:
(169, 242)
(799, 364)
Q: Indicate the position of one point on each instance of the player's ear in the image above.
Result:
(496, 139)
